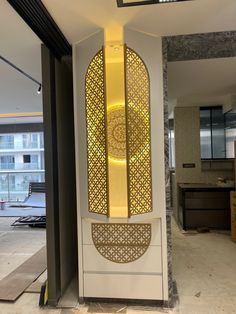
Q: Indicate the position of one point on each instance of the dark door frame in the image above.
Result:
(35, 14)
(57, 87)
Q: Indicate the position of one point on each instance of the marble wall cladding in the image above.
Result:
(167, 172)
(201, 46)
(166, 123)
(170, 263)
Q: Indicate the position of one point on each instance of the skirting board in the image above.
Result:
(130, 302)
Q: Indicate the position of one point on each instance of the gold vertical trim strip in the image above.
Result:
(126, 126)
(98, 199)
(107, 155)
(138, 134)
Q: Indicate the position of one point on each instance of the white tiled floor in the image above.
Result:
(204, 268)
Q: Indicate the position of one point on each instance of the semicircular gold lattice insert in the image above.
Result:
(121, 243)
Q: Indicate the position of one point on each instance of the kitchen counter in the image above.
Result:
(204, 205)
(204, 186)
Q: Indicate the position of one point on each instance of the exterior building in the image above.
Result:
(21, 162)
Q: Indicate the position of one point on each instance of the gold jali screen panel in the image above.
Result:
(138, 134)
(98, 196)
(121, 243)
(118, 134)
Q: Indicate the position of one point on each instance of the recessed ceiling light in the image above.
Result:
(130, 3)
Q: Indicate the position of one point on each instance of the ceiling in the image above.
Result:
(79, 18)
(22, 47)
(201, 82)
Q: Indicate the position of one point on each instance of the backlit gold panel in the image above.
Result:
(138, 135)
(121, 243)
(116, 133)
(96, 136)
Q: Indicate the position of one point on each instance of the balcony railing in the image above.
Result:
(19, 166)
(6, 146)
(20, 146)
(14, 187)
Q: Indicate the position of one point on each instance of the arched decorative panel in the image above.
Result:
(138, 134)
(96, 136)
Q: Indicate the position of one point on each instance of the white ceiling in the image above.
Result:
(79, 18)
(201, 82)
(189, 82)
(21, 120)
(22, 47)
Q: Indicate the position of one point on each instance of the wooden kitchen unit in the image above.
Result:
(202, 205)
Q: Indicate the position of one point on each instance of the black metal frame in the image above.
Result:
(59, 140)
(121, 4)
(20, 70)
(212, 152)
(35, 14)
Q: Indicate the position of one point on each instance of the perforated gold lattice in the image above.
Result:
(96, 136)
(121, 243)
(138, 134)
(116, 133)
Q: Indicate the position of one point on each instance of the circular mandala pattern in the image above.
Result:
(116, 133)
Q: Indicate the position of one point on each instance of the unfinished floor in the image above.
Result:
(17, 244)
(205, 272)
(204, 268)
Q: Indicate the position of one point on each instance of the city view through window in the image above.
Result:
(21, 162)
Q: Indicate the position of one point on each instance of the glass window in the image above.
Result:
(20, 184)
(34, 159)
(41, 140)
(27, 153)
(34, 140)
(230, 133)
(205, 134)
(7, 162)
(217, 133)
(31, 140)
(6, 141)
(26, 159)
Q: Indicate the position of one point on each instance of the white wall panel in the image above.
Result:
(125, 286)
(150, 262)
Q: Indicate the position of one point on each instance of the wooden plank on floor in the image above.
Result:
(36, 286)
(14, 284)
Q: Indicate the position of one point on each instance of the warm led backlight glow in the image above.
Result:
(116, 131)
(21, 114)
